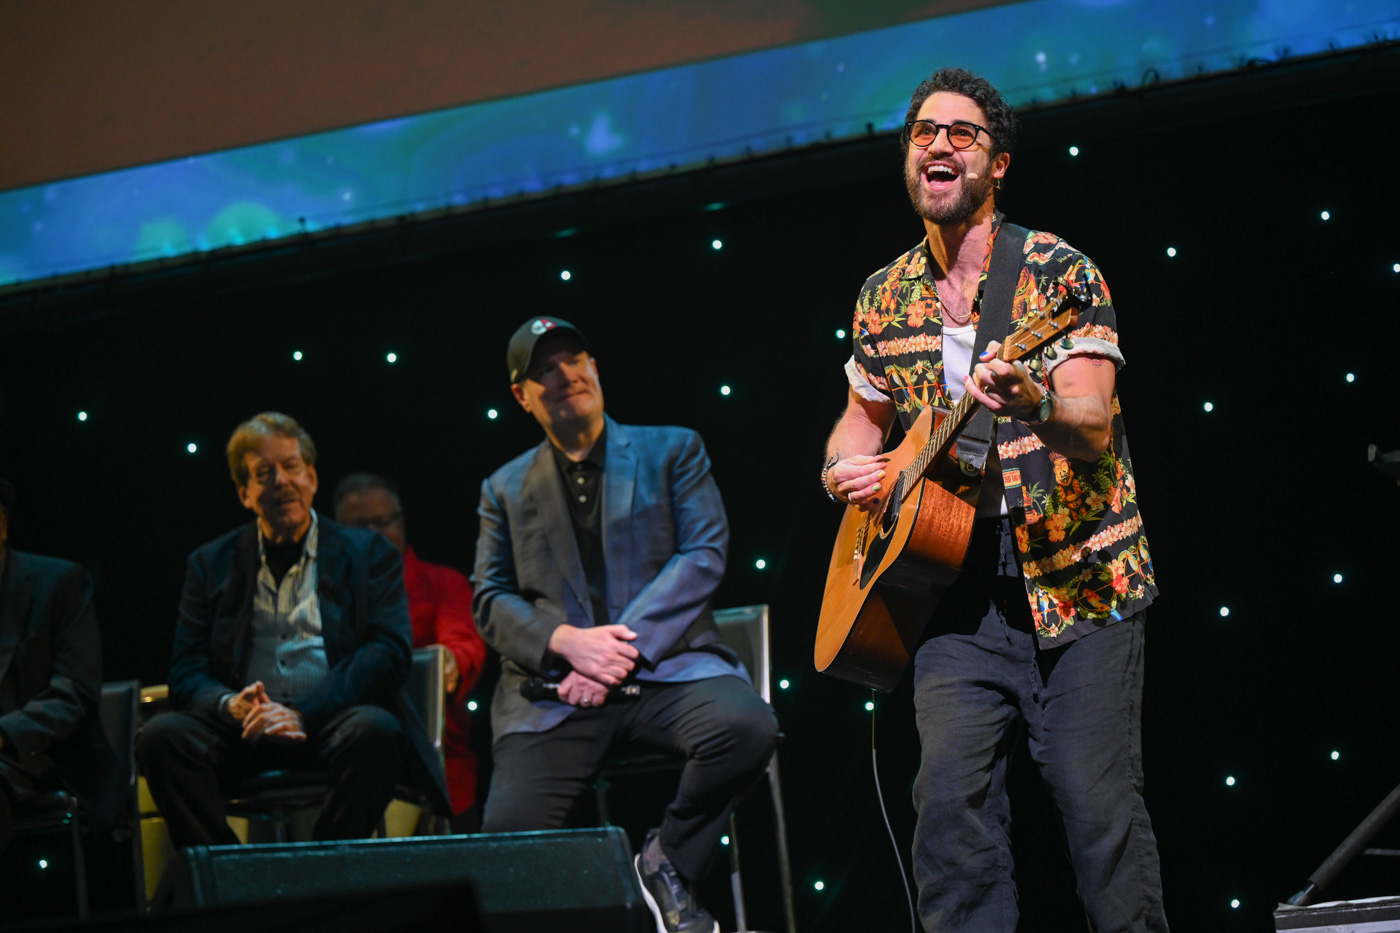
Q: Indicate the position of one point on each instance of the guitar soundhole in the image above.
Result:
(890, 516)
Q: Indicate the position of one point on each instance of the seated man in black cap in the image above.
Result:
(50, 681)
(598, 554)
(291, 652)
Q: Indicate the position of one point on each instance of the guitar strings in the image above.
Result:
(964, 405)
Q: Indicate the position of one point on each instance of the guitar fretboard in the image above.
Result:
(1035, 332)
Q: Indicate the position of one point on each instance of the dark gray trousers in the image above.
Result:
(720, 726)
(980, 683)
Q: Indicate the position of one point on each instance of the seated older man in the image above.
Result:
(291, 651)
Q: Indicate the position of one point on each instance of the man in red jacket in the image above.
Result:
(440, 604)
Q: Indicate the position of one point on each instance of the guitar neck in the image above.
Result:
(940, 440)
(1036, 330)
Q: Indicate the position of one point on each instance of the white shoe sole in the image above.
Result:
(651, 901)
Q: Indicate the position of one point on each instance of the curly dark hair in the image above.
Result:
(1001, 122)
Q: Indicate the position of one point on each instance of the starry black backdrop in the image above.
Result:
(1253, 506)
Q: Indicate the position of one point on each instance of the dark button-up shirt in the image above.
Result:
(583, 490)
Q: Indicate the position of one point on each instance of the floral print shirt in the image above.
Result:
(1079, 534)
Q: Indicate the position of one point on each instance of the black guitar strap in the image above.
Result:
(994, 323)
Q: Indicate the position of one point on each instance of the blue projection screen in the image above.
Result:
(1036, 52)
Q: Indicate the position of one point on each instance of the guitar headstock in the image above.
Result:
(1045, 325)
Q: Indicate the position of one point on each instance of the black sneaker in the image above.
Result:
(676, 910)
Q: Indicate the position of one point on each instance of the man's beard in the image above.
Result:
(973, 194)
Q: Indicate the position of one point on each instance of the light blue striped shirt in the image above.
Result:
(288, 649)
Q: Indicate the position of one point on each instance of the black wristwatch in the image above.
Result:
(1043, 412)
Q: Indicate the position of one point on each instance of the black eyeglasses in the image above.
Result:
(961, 135)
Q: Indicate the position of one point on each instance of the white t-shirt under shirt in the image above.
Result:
(957, 363)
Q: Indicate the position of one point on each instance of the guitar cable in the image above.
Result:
(880, 795)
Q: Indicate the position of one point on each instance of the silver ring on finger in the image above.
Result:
(585, 701)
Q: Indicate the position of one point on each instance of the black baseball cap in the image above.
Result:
(7, 494)
(521, 352)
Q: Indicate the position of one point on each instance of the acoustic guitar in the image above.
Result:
(892, 565)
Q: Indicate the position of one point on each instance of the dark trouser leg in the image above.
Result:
(539, 776)
(970, 679)
(360, 748)
(181, 756)
(1086, 739)
(727, 733)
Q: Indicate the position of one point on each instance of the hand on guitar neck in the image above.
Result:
(1002, 387)
(1080, 421)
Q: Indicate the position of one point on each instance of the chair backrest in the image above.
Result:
(425, 691)
(745, 630)
(119, 709)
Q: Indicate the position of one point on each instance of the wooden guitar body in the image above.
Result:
(889, 568)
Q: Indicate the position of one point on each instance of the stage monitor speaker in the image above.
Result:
(577, 879)
(1375, 915)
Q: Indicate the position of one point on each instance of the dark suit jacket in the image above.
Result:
(51, 679)
(364, 620)
(665, 536)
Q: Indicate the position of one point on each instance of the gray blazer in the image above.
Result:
(665, 536)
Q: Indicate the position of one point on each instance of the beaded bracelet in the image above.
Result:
(826, 488)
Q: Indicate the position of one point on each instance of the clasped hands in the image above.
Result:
(262, 718)
(601, 657)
